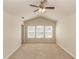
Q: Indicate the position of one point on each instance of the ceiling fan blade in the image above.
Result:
(33, 5)
(50, 7)
(36, 10)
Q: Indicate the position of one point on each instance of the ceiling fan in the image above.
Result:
(42, 6)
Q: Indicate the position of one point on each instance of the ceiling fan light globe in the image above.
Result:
(40, 9)
(43, 10)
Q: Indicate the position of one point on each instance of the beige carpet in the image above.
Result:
(40, 51)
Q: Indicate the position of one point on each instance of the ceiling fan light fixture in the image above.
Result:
(42, 10)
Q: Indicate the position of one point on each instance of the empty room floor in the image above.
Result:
(40, 51)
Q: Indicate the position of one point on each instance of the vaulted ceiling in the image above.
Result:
(22, 8)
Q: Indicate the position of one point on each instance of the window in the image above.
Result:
(40, 32)
(31, 31)
(48, 32)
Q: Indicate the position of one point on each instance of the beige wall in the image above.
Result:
(65, 34)
(12, 34)
(39, 21)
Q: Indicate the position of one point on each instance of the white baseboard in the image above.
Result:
(12, 52)
(66, 50)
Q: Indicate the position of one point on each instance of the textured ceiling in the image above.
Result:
(22, 8)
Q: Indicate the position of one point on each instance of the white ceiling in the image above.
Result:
(22, 8)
